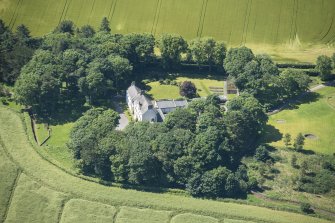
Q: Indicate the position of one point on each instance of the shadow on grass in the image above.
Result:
(306, 98)
(65, 113)
(156, 75)
(271, 134)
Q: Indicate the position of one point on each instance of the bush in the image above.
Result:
(294, 161)
(188, 89)
(261, 154)
(306, 208)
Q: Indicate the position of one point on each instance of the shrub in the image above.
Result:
(188, 89)
(306, 208)
(299, 142)
(294, 161)
(261, 154)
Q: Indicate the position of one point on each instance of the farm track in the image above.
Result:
(156, 17)
(16, 13)
(202, 18)
(91, 13)
(278, 23)
(64, 9)
(110, 16)
(246, 22)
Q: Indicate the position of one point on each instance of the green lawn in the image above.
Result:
(203, 84)
(316, 117)
(41, 132)
(44, 188)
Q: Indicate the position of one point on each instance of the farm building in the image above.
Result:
(165, 106)
(143, 109)
(140, 105)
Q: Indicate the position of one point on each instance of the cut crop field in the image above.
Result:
(271, 25)
(315, 119)
(37, 191)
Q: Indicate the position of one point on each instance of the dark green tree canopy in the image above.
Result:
(104, 26)
(324, 66)
(171, 47)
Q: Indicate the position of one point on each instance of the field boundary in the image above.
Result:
(9, 203)
(60, 214)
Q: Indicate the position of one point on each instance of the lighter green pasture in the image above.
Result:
(317, 117)
(82, 211)
(55, 185)
(159, 91)
(32, 202)
(135, 215)
(41, 132)
(8, 176)
(192, 218)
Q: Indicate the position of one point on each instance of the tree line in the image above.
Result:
(79, 63)
(82, 64)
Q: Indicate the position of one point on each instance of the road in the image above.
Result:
(123, 122)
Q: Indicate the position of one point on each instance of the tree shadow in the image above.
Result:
(271, 134)
(307, 98)
(65, 113)
(307, 152)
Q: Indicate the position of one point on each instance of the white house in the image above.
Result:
(143, 109)
(140, 105)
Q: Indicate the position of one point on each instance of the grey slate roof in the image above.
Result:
(136, 94)
(163, 104)
(166, 104)
(180, 103)
(133, 91)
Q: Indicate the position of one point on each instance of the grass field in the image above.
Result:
(42, 190)
(32, 202)
(192, 218)
(8, 175)
(316, 117)
(203, 84)
(287, 29)
(82, 211)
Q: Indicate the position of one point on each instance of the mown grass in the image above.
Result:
(203, 84)
(8, 176)
(82, 211)
(135, 215)
(316, 117)
(192, 218)
(32, 202)
(236, 221)
(14, 136)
